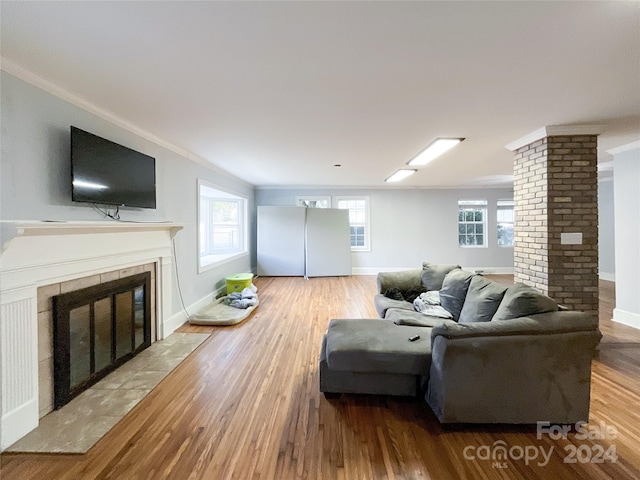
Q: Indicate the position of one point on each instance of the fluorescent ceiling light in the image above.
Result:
(400, 175)
(437, 148)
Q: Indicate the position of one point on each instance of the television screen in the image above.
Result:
(107, 173)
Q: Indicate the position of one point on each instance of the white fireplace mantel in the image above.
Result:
(17, 228)
(36, 254)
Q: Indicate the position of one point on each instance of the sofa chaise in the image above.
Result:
(508, 354)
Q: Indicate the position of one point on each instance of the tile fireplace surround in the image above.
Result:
(37, 255)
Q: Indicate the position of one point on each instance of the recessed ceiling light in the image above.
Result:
(435, 149)
(400, 175)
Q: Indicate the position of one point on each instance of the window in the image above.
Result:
(222, 226)
(506, 218)
(358, 221)
(472, 223)
(313, 202)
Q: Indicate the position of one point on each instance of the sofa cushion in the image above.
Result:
(433, 275)
(482, 300)
(367, 345)
(382, 304)
(454, 290)
(521, 300)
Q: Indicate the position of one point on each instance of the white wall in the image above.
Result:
(626, 175)
(606, 231)
(35, 178)
(409, 226)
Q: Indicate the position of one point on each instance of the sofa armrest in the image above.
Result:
(403, 280)
(524, 370)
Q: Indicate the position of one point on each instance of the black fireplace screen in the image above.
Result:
(97, 329)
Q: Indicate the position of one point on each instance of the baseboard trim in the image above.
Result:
(491, 270)
(376, 270)
(178, 319)
(610, 277)
(484, 270)
(626, 318)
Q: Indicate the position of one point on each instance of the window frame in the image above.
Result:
(505, 204)
(474, 204)
(367, 220)
(213, 257)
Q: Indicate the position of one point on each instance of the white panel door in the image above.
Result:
(328, 242)
(281, 241)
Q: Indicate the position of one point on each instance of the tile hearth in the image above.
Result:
(77, 426)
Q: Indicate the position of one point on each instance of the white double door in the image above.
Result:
(297, 241)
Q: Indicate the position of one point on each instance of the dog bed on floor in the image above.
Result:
(217, 313)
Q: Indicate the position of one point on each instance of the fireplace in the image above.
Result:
(97, 329)
(44, 259)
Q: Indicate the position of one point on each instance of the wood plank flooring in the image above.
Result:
(246, 405)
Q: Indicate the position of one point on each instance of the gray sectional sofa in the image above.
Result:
(509, 355)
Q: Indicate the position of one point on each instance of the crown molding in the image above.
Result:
(22, 73)
(28, 76)
(554, 130)
(624, 148)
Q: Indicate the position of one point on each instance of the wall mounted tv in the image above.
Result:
(104, 172)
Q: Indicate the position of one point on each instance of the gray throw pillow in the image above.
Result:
(482, 300)
(454, 290)
(521, 300)
(433, 275)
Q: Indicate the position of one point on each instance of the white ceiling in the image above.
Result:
(279, 92)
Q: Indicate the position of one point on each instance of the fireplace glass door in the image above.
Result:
(97, 329)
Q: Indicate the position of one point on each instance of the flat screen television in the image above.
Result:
(107, 173)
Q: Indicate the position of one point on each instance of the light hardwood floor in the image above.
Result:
(246, 405)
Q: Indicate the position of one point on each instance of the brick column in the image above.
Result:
(556, 226)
